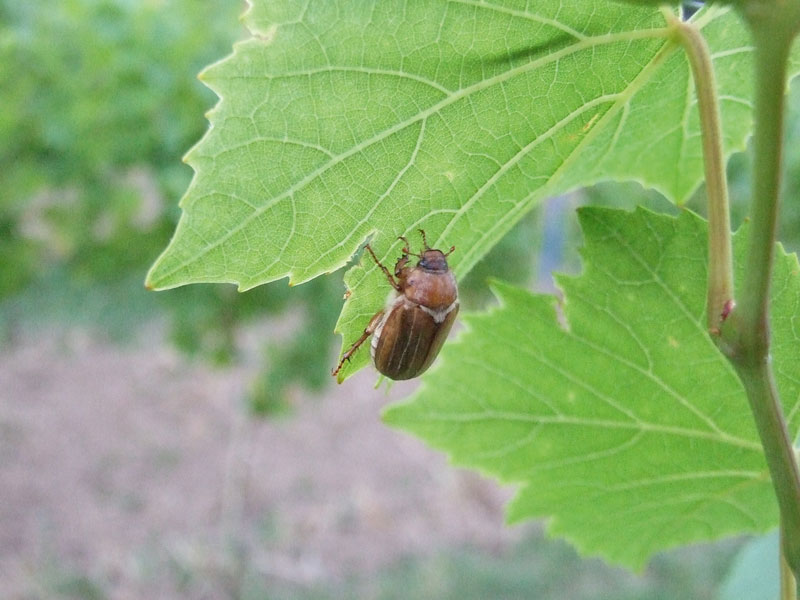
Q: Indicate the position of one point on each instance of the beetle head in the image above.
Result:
(434, 261)
(431, 259)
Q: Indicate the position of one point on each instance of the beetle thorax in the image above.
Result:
(435, 290)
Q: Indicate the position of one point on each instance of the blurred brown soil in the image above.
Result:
(142, 473)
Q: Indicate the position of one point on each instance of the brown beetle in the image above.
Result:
(410, 331)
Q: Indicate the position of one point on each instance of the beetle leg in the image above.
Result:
(373, 325)
(406, 250)
(400, 267)
(405, 241)
(395, 285)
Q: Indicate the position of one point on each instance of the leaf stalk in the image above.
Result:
(720, 263)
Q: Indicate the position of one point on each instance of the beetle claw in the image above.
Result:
(406, 250)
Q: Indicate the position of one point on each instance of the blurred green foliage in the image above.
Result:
(100, 101)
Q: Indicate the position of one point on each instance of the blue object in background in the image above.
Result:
(754, 573)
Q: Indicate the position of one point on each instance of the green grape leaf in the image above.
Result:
(340, 122)
(619, 418)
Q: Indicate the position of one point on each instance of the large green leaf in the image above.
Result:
(345, 120)
(621, 420)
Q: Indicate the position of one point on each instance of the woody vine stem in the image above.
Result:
(744, 335)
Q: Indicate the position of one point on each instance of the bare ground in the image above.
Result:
(136, 473)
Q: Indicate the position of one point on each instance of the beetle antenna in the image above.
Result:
(449, 252)
(424, 240)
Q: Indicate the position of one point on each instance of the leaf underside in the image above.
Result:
(340, 122)
(619, 418)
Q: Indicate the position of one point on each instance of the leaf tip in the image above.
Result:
(152, 281)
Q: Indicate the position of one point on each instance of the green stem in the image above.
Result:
(720, 262)
(759, 384)
(788, 589)
(770, 86)
(745, 335)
